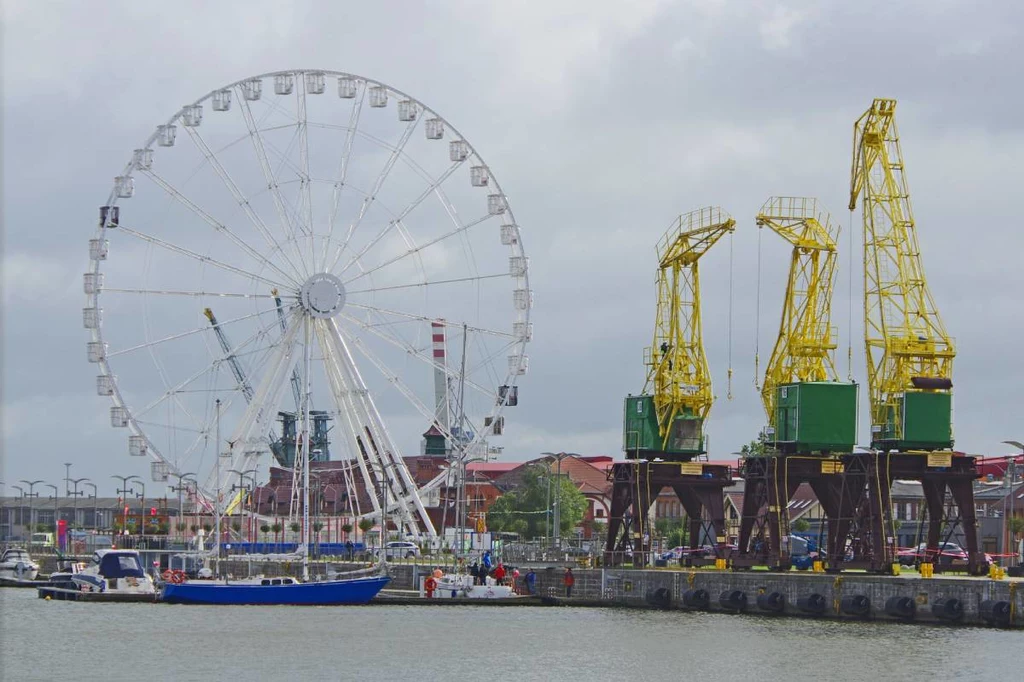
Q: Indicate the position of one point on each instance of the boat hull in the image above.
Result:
(325, 593)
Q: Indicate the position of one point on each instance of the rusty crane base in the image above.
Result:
(854, 492)
(635, 486)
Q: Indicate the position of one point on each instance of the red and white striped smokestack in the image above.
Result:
(441, 408)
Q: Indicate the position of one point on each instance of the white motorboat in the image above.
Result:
(16, 565)
(117, 571)
(452, 586)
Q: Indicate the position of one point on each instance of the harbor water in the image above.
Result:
(41, 640)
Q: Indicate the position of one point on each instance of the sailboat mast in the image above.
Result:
(216, 501)
(306, 360)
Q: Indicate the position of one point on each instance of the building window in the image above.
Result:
(599, 513)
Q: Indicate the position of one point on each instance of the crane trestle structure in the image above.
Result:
(668, 419)
(909, 353)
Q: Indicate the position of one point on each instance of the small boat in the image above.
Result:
(460, 586)
(114, 571)
(16, 566)
(276, 591)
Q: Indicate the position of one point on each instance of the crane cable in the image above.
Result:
(729, 383)
(849, 301)
(757, 318)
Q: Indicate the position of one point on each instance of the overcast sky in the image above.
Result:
(603, 121)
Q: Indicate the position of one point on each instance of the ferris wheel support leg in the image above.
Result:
(249, 439)
(400, 485)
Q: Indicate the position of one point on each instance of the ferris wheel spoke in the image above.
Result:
(212, 294)
(412, 317)
(191, 332)
(396, 153)
(305, 200)
(346, 155)
(156, 241)
(396, 221)
(378, 331)
(268, 173)
(429, 283)
(214, 223)
(239, 197)
(460, 229)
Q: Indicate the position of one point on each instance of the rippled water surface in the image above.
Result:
(71, 641)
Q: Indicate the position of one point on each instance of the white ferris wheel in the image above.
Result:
(307, 251)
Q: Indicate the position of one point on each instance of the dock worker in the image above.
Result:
(499, 574)
(531, 582)
(569, 580)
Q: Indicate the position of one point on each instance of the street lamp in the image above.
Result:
(142, 509)
(125, 490)
(30, 495)
(180, 488)
(558, 494)
(55, 514)
(242, 475)
(21, 511)
(76, 494)
(95, 502)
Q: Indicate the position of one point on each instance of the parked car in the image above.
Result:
(674, 554)
(948, 552)
(400, 549)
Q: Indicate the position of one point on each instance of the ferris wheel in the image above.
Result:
(307, 252)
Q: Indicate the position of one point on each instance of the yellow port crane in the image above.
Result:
(668, 420)
(909, 353)
(808, 409)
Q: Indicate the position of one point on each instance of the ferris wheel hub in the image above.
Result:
(323, 295)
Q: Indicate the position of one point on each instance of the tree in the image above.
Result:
(277, 530)
(800, 526)
(365, 525)
(317, 527)
(264, 528)
(346, 528)
(525, 510)
(180, 526)
(1015, 524)
(236, 526)
(295, 526)
(754, 448)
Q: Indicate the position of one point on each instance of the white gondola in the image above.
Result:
(118, 417)
(284, 83)
(346, 87)
(518, 266)
(509, 234)
(315, 83)
(96, 351)
(142, 159)
(92, 282)
(478, 176)
(159, 471)
(192, 116)
(137, 446)
(522, 331)
(104, 385)
(165, 135)
(434, 128)
(458, 150)
(98, 249)
(378, 96)
(518, 364)
(124, 186)
(496, 204)
(91, 317)
(407, 110)
(222, 100)
(252, 89)
(523, 299)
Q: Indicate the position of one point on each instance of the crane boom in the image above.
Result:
(909, 353)
(230, 357)
(296, 384)
(804, 348)
(678, 380)
(808, 409)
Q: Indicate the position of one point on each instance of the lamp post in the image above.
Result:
(31, 508)
(558, 457)
(180, 488)
(242, 475)
(125, 490)
(95, 502)
(76, 494)
(142, 509)
(55, 500)
(21, 510)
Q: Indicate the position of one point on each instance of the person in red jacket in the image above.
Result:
(569, 580)
(499, 574)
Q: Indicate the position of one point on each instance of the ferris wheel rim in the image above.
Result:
(134, 420)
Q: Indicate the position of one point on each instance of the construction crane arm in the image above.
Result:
(230, 357)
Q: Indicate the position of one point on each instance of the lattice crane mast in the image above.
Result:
(230, 357)
(668, 420)
(808, 409)
(909, 353)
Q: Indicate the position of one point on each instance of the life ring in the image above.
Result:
(178, 577)
(167, 575)
(430, 584)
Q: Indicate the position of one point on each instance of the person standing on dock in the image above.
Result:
(569, 580)
(531, 582)
(499, 574)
